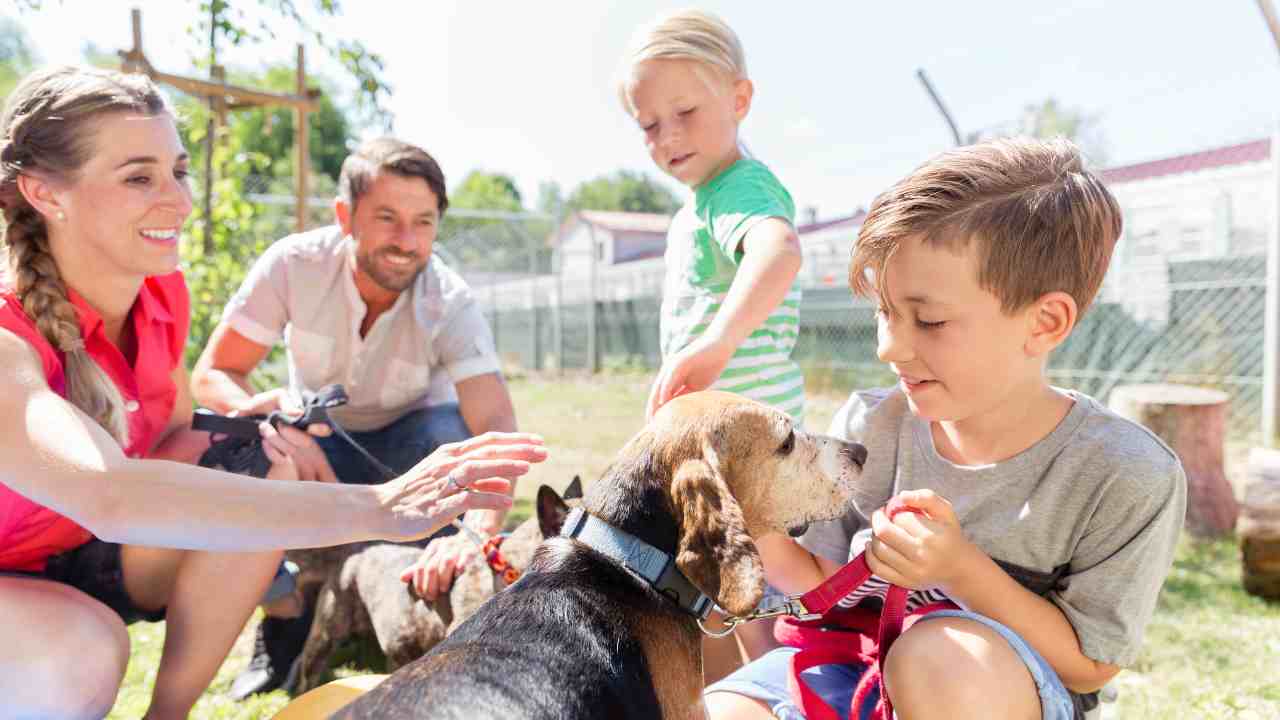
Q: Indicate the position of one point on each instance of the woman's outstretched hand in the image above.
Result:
(470, 475)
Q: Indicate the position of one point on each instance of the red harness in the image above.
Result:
(848, 636)
(499, 565)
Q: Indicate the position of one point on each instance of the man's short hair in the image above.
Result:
(390, 155)
(1040, 221)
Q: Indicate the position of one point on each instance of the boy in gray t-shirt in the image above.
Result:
(1049, 520)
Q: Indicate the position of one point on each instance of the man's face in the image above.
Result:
(394, 226)
(957, 354)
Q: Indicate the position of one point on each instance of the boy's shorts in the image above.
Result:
(765, 679)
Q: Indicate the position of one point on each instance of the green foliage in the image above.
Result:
(481, 190)
(16, 56)
(270, 131)
(624, 190)
(237, 236)
(233, 24)
(1050, 119)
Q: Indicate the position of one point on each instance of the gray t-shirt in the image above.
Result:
(1088, 517)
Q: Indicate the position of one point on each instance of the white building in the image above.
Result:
(1213, 204)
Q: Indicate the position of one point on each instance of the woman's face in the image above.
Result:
(125, 207)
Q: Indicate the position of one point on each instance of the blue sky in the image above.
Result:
(527, 88)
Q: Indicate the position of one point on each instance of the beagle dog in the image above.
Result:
(604, 622)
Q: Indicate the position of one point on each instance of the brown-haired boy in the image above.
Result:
(1049, 519)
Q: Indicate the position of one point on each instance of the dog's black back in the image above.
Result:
(557, 644)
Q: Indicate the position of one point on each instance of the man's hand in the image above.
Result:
(309, 460)
(694, 368)
(294, 454)
(441, 561)
(920, 550)
(264, 403)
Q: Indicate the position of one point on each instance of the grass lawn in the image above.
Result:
(1211, 650)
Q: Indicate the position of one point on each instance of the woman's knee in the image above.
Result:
(958, 667)
(69, 652)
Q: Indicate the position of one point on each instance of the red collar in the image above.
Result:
(499, 564)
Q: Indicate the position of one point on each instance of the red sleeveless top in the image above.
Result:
(29, 532)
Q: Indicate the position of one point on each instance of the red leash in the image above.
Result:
(851, 640)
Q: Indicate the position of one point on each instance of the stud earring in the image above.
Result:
(61, 216)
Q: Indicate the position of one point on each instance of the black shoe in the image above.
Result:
(277, 643)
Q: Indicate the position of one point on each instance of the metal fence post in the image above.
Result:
(533, 301)
(557, 311)
(1271, 331)
(593, 359)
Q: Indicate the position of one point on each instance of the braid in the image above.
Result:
(44, 298)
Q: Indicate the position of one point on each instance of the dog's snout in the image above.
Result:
(856, 452)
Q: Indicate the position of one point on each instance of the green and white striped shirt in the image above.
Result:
(704, 247)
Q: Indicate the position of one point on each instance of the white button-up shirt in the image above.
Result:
(433, 336)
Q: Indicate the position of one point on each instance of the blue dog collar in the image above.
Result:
(640, 558)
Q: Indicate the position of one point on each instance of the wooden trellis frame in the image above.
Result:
(223, 97)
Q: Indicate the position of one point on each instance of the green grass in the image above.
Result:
(1211, 650)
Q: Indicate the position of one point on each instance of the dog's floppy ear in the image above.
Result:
(551, 511)
(715, 552)
(574, 491)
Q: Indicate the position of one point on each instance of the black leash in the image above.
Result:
(240, 451)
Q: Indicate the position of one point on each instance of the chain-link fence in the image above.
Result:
(556, 302)
(1197, 321)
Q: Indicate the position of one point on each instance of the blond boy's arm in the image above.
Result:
(770, 263)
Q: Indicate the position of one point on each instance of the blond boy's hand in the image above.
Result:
(692, 369)
(920, 550)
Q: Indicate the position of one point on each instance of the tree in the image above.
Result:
(623, 190)
(483, 230)
(16, 56)
(1052, 119)
(481, 190)
(268, 132)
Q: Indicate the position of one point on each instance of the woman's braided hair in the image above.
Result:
(48, 131)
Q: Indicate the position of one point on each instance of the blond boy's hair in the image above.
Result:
(1040, 221)
(685, 35)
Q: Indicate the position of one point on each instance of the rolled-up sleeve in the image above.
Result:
(259, 310)
(464, 345)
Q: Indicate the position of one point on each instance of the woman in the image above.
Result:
(98, 525)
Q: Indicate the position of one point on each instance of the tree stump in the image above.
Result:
(1260, 525)
(1193, 422)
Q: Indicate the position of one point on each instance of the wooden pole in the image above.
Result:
(301, 165)
(210, 127)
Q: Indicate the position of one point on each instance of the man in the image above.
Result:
(363, 303)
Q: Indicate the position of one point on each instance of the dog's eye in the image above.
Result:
(789, 444)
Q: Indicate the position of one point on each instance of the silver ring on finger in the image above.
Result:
(457, 486)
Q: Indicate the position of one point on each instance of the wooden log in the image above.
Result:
(1193, 422)
(1259, 527)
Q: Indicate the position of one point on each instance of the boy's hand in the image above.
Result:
(920, 551)
(694, 368)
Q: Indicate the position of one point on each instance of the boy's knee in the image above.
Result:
(953, 667)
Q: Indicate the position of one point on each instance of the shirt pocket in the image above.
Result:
(406, 383)
(312, 356)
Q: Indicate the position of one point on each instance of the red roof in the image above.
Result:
(1255, 151)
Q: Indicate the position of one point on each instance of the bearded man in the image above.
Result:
(363, 303)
